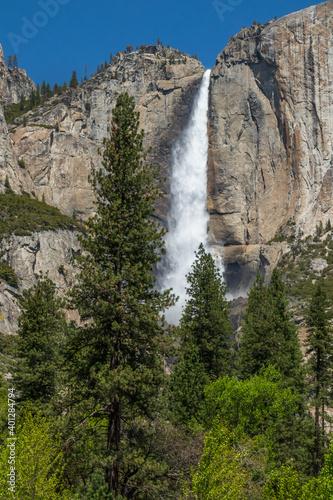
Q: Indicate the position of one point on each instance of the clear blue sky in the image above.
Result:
(68, 34)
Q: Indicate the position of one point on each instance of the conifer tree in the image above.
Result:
(289, 357)
(15, 62)
(73, 82)
(22, 102)
(38, 99)
(43, 89)
(320, 364)
(116, 355)
(41, 333)
(186, 388)
(205, 322)
(269, 336)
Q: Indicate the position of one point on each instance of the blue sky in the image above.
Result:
(53, 37)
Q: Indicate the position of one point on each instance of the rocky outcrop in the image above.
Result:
(13, 83)
(48, 251)
(18, 177)
(271, 136)
(60, 143)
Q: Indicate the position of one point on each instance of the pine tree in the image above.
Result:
(320, 364)
(10, 61)
(43, 89)
(22, 102)
(289, 356)
(186, 388)
(15, 62)
(269, 337)
(48, 91)
(64, 87)
(73, 83)
(32, 101)
(205, 321)
(42, 327)
(38, 98)
(116, 355)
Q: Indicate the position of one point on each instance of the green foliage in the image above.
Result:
(8, 275)
(261, 406)
(122, 333)
(226, 466)
(283, 484)
(38, 97)
(21, 215)
(269, 337)
(186, 388)
(42, 327)
(205, 322)
(95, 489)
(320, 363)
(73, 82)
(39, 462)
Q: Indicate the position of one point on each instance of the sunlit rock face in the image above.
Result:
(61, 140)
(13, 82)
(270, 157)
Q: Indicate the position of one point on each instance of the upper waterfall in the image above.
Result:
(188, 217)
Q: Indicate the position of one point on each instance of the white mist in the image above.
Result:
(188, 218)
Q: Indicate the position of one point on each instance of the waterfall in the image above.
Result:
(188, 217)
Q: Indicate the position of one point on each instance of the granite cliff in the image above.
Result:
(60, 142)
(271, 138)
(270, 158)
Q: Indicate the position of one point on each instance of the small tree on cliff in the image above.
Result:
(116, 356)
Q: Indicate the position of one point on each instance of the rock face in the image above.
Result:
(13, 83)
(46, 251)
(60, 143)
(271, 136)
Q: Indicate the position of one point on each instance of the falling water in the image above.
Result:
(188, 218)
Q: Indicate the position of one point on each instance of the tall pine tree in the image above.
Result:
(116, 356)
(41, 337)
(205, 322)
(269, 337)
(320, 364)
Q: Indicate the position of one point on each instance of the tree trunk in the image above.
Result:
(113, 444)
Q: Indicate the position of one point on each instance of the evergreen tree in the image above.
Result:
(10, 61)
(205, 322)
(73, 83)
(48, 91)
(43, 89)
(22, 102)
(38, 98)
(289, 357)
(269, 337)
(15, 62)
(187, 384)
(41, 330)
(64, 87)
(116, 356)
(32, 101)
(320, 363)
